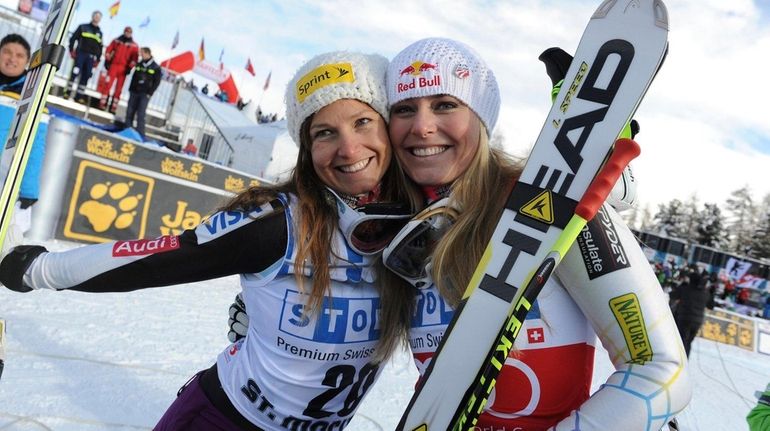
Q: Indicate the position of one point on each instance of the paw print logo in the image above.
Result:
(127, 149)
(111, 206)
(746, 337)
(196, 168)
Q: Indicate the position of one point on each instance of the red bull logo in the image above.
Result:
(415, 70)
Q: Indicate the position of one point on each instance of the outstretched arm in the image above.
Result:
(228, 243)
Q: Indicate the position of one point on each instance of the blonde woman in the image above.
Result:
(444, 106)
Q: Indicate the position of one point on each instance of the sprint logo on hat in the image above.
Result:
(322, 76)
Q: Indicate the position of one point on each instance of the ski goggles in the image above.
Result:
(409, 253)
(369, 228)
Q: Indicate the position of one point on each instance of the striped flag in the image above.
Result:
(114, 9)
(267, 81)
(250, 67)
(175, 42)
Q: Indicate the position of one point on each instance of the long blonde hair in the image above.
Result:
(480, 194)
(316, 222)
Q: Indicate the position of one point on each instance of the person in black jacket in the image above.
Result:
(144, 82)
(87, 54)
(692, 297)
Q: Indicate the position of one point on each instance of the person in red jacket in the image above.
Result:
(121, 56)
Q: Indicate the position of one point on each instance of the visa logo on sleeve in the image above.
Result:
(340, 320)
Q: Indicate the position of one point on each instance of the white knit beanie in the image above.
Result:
(435, 66)
(329, 77)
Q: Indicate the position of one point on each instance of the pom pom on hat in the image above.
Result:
(436, 66)
(329, 77)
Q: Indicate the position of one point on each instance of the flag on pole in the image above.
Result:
(201, 52)
(114, 9)
(250, 67)
(175, 42)
(267, 81)
(145, 23)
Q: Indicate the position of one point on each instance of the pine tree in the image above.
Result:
(709, 226)
(646, 222)
(690, 219)
(760, 244)
(742, 220)
(671, 219)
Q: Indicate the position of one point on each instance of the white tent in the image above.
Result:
(265, 150)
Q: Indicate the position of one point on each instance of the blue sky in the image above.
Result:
(704, 120)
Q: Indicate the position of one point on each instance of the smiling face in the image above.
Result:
(349, 146)
(434, 137)
(13, 59)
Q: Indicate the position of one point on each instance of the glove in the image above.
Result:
(238, 321)
(16, 259)
(96, 63)
(623, 194)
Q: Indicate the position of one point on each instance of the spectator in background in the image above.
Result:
(190, 149)
(147, 76)
(14, 56)
(692, 297)
(743, 296)
(120, 57)
(221, 96)
(86, 54)
(241, 104)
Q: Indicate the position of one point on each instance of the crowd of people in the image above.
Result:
(723, 291)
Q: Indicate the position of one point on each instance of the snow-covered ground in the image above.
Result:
(88, 362)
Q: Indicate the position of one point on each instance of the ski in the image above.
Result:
(43, 64)
(563, 184)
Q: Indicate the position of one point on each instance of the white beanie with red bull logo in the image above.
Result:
(436, 66)
(329, 77)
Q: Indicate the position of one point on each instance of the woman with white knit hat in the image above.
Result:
(444, 105)
(307, 251)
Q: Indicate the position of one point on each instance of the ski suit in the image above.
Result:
(87, 54)
(292, 371)
(603, 286)
(120, 56)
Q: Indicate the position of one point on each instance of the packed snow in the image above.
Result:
(88, 362)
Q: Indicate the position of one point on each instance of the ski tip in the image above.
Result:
(659, 10)
(661, 14)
